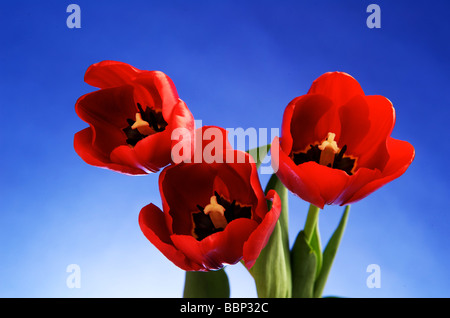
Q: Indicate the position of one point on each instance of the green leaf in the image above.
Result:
(329, 253)
(213, 284)
(304, 263)
(259, 154)
(272, 271)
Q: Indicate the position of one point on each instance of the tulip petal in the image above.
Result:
(286, 138)
(330, 182)
(236, 176)
(108, 74)
(156, 89)
(218, 249)
(155, 149)
(304, 128)
(355, 124)
(152, 224)
(83, 147)
(362, 177)
(182, 120)
(183, 187)
(106, 111)
(373, 153)
(126, 156)
(339, 87)
(401, 155)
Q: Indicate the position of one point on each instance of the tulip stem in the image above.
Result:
(311, 221)
(329, 254)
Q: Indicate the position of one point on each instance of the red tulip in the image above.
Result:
(131, 118)
(214, 213)
(335, 145)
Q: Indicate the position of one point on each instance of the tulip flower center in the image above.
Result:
(216, 215)
(216, 212)
(329, 149)
(147, 123)
(327, 153)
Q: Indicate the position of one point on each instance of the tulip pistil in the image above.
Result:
(216, 212)
(142, 126)
(329, 150)
(147, 123)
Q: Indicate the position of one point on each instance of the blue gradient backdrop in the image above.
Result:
(236, 64)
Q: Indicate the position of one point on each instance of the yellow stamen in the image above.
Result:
(329, 149)
(142, 126)
(216, 213)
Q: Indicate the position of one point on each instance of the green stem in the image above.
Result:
(329, 253)
(311, 221)
(213, 284)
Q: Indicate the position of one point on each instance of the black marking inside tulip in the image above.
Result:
(203, 226)
(341, 162)
(154, 119)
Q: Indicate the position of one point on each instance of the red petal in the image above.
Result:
(373, 153)
(126, 156)
(236, 177)
(337, 86)
(362, 177)
(107, 74)
(155, 150)
(401, 155)
(107, 111)
(259, 238)
(183, 187)
(220, 248)
(212, 145)
(152, 224)
(182, 119)
(156, 89)
(309, 111)
(330, 182)
(165, 205)
(83, 147)
(286, 138)
(355, 123)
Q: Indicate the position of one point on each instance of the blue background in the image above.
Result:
(236, 64)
